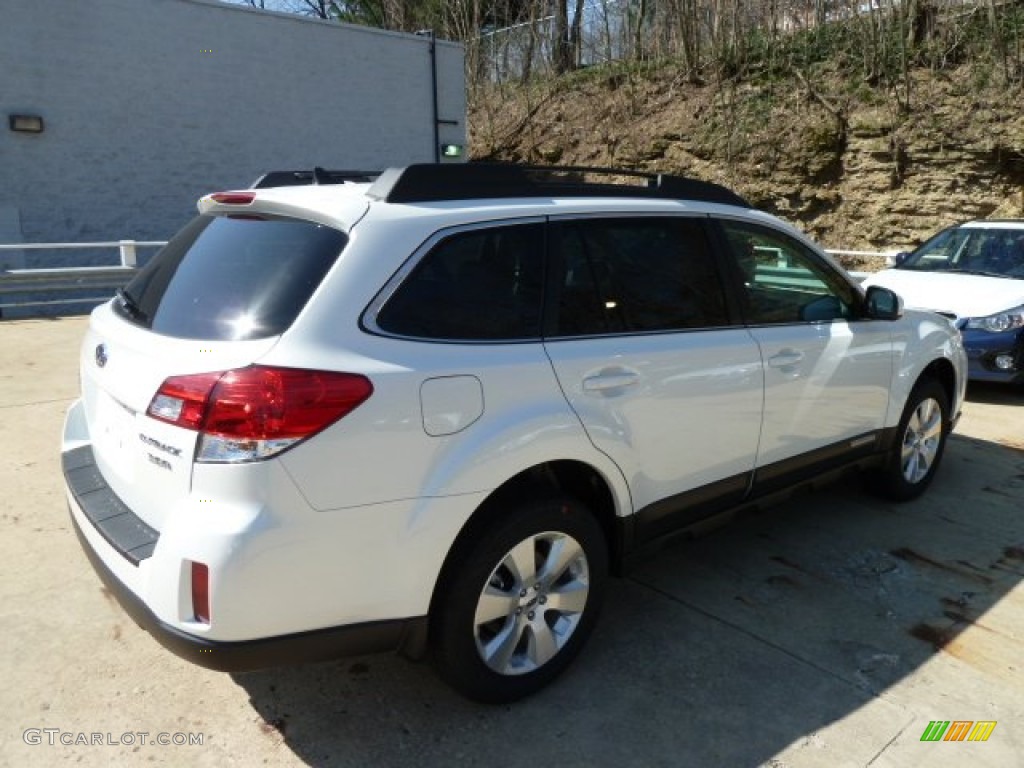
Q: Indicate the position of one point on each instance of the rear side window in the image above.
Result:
(477, 285)
(224, 278)
(635, 276)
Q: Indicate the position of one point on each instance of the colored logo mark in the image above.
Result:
(958, 730)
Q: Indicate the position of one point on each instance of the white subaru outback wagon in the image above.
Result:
(433, 409)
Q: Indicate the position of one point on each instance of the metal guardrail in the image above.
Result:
(837, 252)
(98, 282)
(95, 279)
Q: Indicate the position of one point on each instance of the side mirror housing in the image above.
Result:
(882, 304)
(895, 259)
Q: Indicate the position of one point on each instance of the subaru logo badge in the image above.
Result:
(101, 355)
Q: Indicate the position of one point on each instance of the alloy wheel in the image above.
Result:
(532, 603)
(921, 441)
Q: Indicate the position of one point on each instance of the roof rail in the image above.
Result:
(316, 176)
(466, 181)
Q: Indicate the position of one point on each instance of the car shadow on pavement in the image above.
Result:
(995, 394)
(800, 628)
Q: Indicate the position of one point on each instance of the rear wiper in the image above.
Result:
(129, 304)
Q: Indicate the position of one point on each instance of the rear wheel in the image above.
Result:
(517, 606)
(921, 438)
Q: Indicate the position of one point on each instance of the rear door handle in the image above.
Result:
(605, 381)
(785, 359)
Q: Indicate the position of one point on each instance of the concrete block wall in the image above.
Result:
(149, 104)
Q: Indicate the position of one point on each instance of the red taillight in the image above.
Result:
(272, 403)
(201, 592)
(233, 198)
(259, 402)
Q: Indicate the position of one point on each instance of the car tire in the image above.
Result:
(910, 465)
(515, 609)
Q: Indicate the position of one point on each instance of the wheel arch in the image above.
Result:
(565, 477)
(942, 371)
(915, 451)
(930, 348)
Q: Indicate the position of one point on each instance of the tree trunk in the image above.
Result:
(638, 41)
(576, 34)
(562, 46)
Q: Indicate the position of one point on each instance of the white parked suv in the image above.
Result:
(432, 410)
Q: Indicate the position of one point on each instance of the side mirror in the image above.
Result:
(883, 304)
(895, 259)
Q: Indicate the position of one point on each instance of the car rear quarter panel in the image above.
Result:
(382, 451)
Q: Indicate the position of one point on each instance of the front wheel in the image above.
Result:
(517, 606)
(921, 437)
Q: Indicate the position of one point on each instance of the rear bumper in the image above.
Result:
(408, 635)
(282, 609)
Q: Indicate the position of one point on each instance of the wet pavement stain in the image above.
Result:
(910, 556)
(1010, 562)
(936, 638)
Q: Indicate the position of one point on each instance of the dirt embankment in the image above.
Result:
(856, 167)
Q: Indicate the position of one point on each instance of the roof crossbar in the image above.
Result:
(466, 181)
(316, 176)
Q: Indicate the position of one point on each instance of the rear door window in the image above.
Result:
(635, 275)
(227, 278)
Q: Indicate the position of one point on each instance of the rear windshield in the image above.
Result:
(225, 278)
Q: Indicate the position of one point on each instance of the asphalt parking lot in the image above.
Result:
(829, 631)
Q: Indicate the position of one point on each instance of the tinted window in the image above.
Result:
(986, 251)
(634, 275)
(232, 278)
(477, 285)
(784, 281)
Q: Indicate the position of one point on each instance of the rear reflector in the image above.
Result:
(256, 412)
(201, 592)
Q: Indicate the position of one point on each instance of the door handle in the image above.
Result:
(604, 381)
(785, 359)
